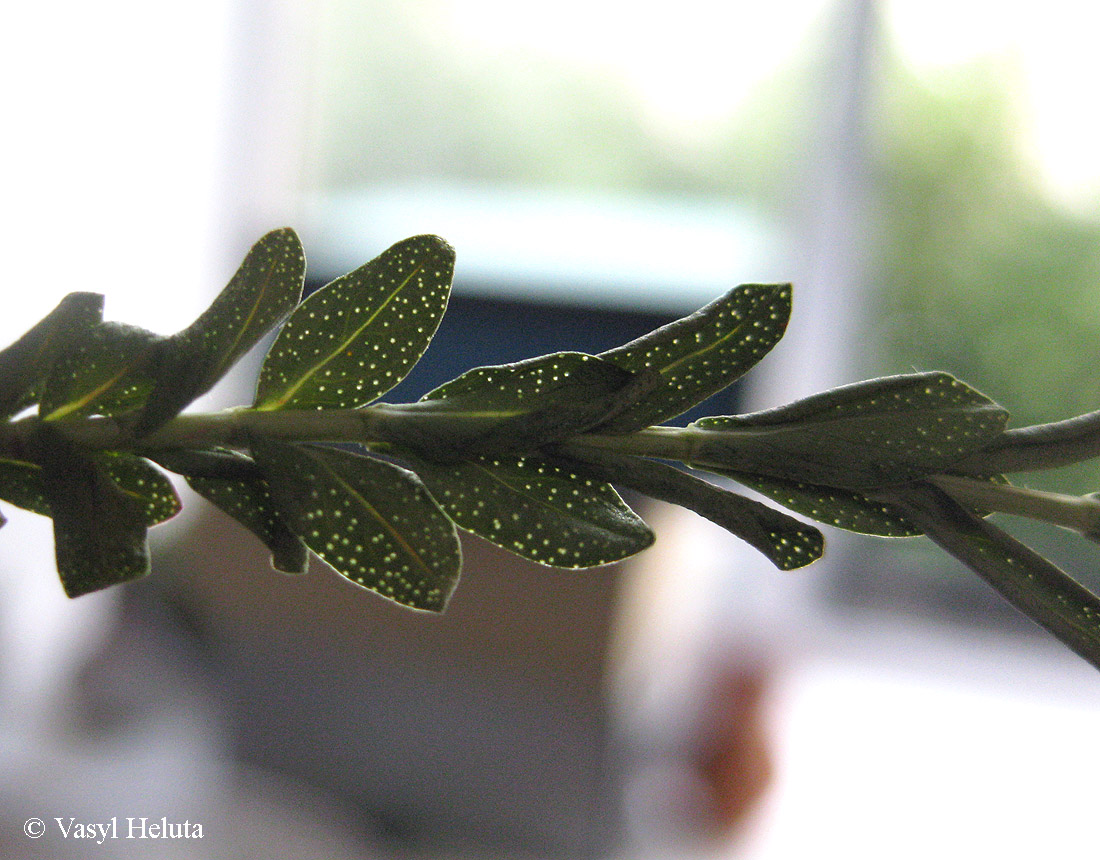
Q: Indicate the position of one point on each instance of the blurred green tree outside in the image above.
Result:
(981, 273)
(973, 267)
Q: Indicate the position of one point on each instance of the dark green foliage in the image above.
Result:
(843, 509)
(101, 370)
(249, 502)
(786, 542)
(531, 403)
(701, 354)
(373, 522)
(23, 364)
(858, 437)
(23, 484)
(538, 510)
(234, 483)
(1028, 581)
(525, 455)
(264, 290)
(99, 529)
(353, 340)
(115, 369)
(144, 484)
(206, 463)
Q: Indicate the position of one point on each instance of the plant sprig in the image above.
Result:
(525, 455)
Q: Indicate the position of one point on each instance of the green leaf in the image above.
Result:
(146, 485)
(22, 483)
(24, 364)
(522, 405)
(105, 371)
(249, 503)
(233, 483)
(701, 354)
(217, 463)
(264, 290)
(353, 340)
(786, 542)
(373, 522)
(843, 509)
(1039, 589)
(537, 510)
(859, 437)
(99, 530)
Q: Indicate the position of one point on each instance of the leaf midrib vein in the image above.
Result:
(385, 523)
(228, 354)
(289, 393)
(542, 503)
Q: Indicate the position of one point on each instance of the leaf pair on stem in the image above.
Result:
(525, 455)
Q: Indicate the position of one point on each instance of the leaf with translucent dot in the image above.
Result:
(858, 437)
(24, 364)
(844, 509)
(144, 483)
(786, 542)
(1035, 586)
(99, 529)
(529, 403)
(105, 371)
(205, 463)
(249, 503)
(23, 484)
(234, 483)
(537, 510)
(264, 290)
(357, 337)
(701, 354)
(246, 497)
(373, 522)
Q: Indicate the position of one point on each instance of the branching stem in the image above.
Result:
(383, 424)
(1041, 446)
(1077, 513)
(379, 424)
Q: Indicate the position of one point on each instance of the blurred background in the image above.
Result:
(926, 175)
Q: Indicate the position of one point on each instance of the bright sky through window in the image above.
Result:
(692, 67)
(1048, 53)
(695, 67)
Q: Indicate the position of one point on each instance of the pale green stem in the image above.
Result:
(384, 424)
(1041, 446)
(1077, 513)
(661, 443)
(378, 424)
(231, 428)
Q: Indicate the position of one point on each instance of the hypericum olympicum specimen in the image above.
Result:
(526, 455)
